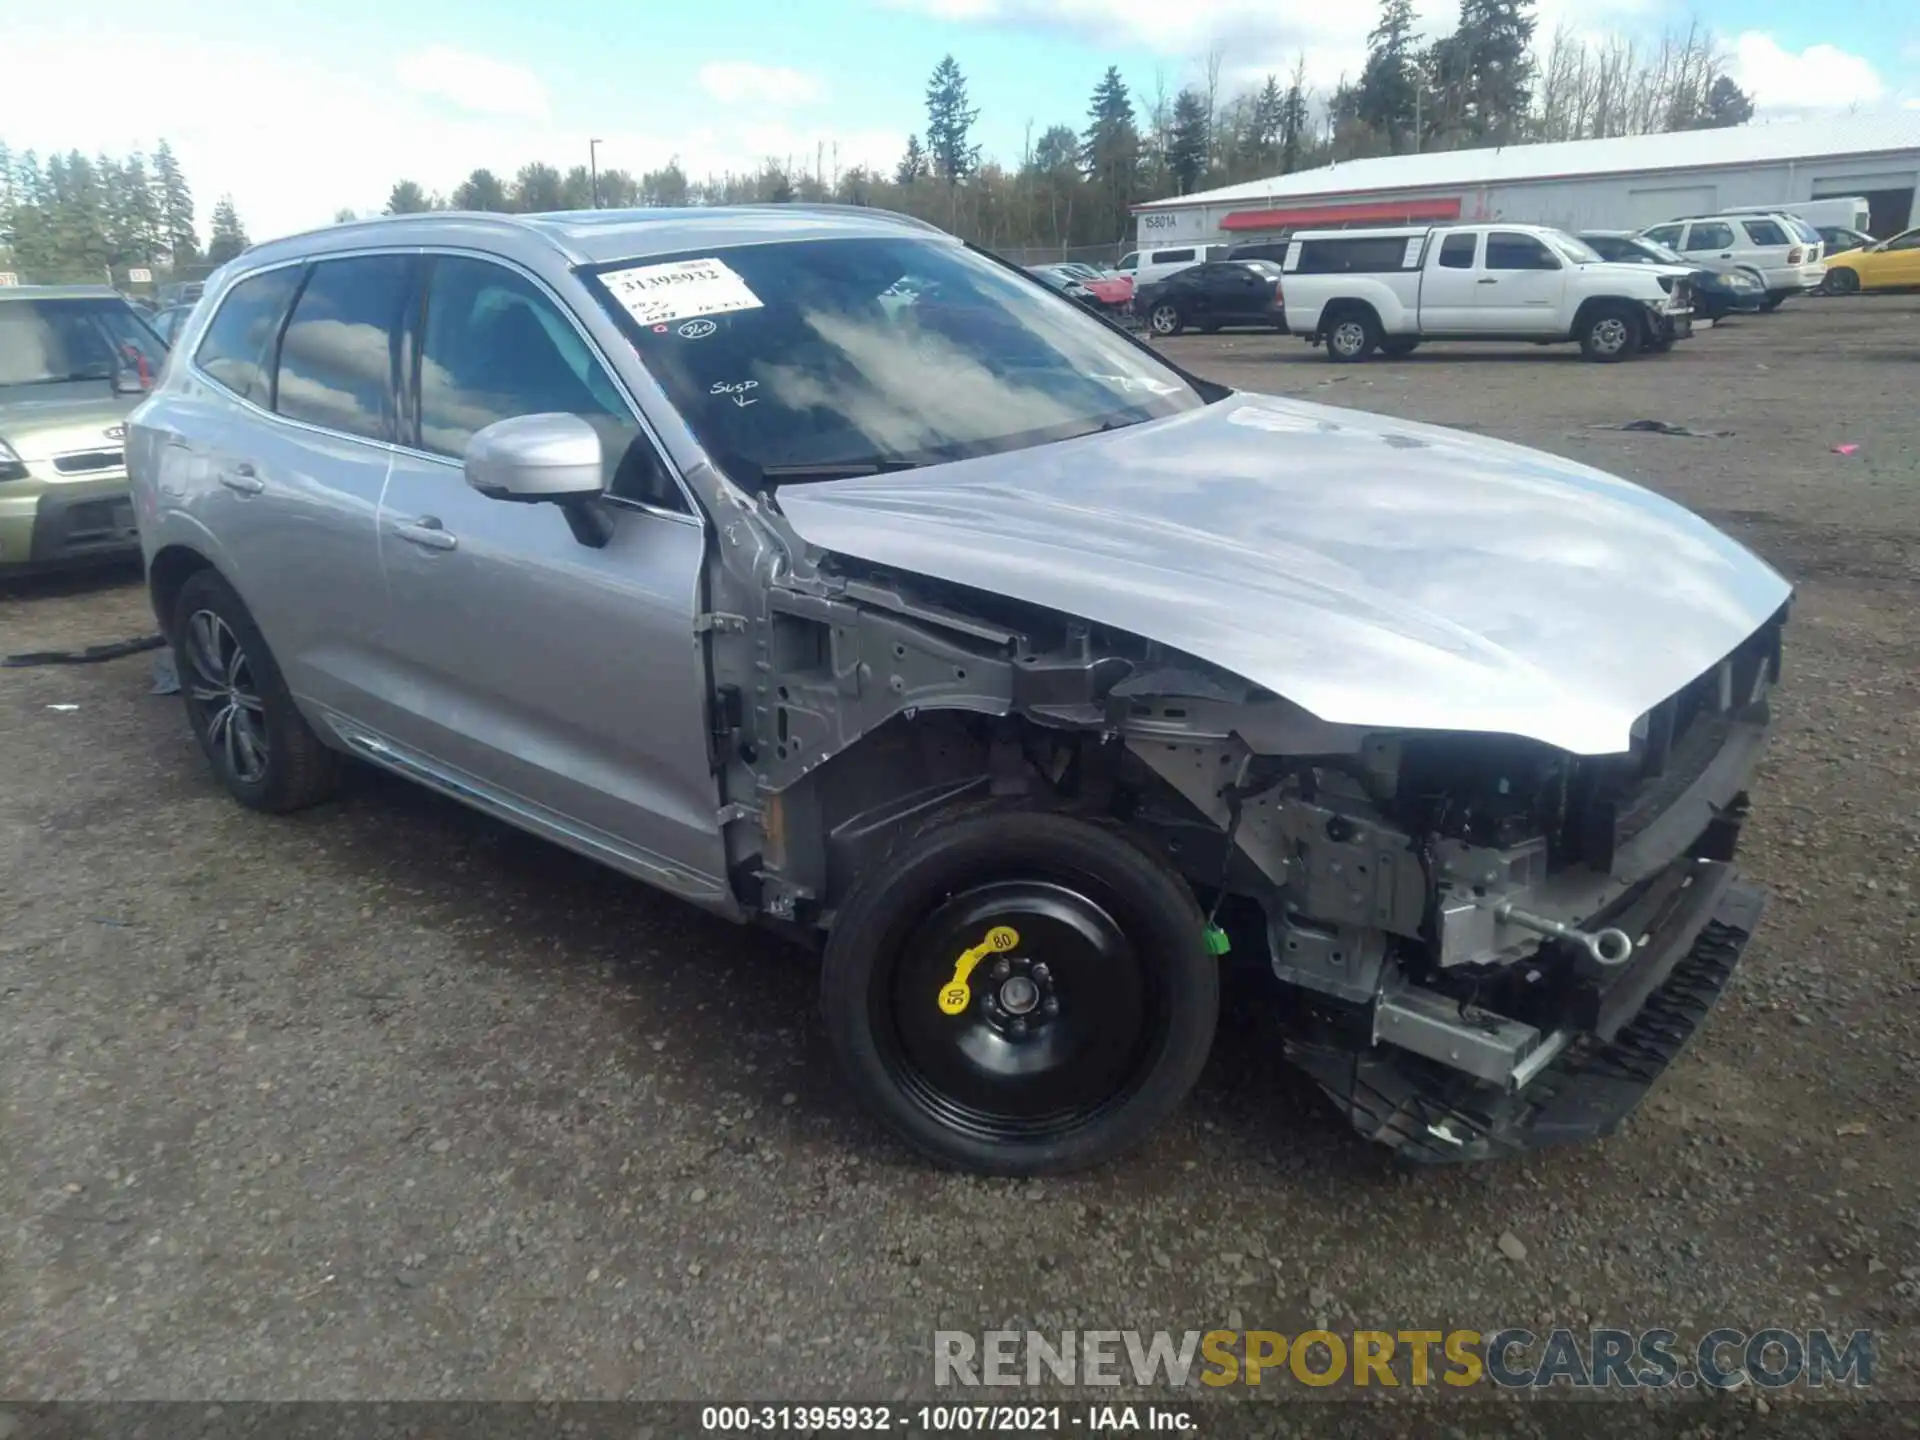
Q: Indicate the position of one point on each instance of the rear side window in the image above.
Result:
(1456, 251)
(336, 360)
(238, 347)
(1712, 235)
(1764, 232)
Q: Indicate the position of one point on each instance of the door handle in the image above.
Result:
(241, 478)
(1488, 280)
(427, 532)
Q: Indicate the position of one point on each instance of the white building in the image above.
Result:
(1630, 182)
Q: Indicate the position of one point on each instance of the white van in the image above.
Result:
(1145, 266)
(1849, 214)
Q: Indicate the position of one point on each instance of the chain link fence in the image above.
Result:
(1055, 254)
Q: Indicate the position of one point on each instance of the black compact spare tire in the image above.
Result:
(1020, 993)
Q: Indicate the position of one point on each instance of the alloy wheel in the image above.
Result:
(227, 707)
(1165, 319)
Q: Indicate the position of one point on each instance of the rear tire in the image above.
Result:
(242, 713)
(1612, 333)
(1060, 1053)
(1352, 336)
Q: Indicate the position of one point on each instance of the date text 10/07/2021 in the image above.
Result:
(941, 1419)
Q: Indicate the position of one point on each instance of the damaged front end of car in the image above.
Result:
(1488, 945)
(1482, 944)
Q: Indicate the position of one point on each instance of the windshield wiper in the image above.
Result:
(837, 469)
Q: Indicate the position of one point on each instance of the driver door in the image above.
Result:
(557, 683)
(1528, 285)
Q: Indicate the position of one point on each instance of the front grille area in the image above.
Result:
(86, 462)
(1613, 799)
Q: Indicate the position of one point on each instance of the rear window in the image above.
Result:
(1358, 255)
(239, 341)
(1765, 232)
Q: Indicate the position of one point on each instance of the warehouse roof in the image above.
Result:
(1628, 154)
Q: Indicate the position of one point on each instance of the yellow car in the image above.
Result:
(1891, 265)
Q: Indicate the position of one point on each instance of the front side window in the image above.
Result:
(1712, 235)
(337, 356)
(495, 348)
(1509, 251)
(237, 349)
(1668, 235)
(1764, 232)
(44, 342)
(808, 360)
(1908, 241)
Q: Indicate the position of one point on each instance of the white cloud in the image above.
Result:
(293, 139)
(741, 82)
(474, 83)
(1253, 37)
(1820, 77)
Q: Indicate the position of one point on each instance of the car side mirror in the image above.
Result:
(544, 460)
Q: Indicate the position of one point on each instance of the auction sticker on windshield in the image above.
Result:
(679, 290)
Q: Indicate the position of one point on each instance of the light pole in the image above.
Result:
(593, 170)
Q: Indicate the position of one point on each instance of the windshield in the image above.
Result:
(819, 358)
(45, 342)
(1576, 250)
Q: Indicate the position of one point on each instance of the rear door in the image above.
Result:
(1451, 287)
(1243, 294)
(563, 682)
(1711, 243)
(289, 436)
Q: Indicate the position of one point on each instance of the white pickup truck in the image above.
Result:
(1364, 290)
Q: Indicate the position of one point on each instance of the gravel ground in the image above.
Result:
(386, 1100)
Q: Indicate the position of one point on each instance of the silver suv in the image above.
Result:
(824, 571)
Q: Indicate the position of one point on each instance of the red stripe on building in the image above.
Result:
(1384, 212)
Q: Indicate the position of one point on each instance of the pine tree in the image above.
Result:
(665, 186)
(138, 215)
(228, 237)
(1110, 150)
(913, 164)
(950, 123)
(1727, 104)
(1387, 93)
(1187, 143)
(1293, 118)
(1485, 70)
(1262, 137)
(174, 202)
(481, 190)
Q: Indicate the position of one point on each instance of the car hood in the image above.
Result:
(59, 418)
(1374, 571)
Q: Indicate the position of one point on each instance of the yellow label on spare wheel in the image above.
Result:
(957, 994)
